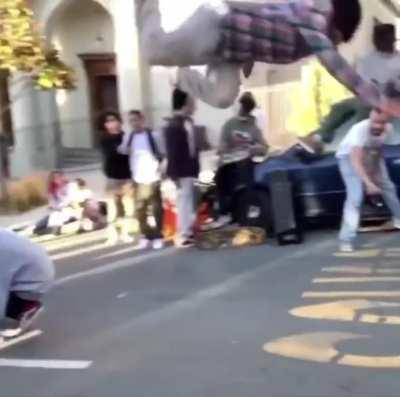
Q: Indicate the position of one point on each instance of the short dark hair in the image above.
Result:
(347, 16)
(247, 103)
(382, 31)
(137, 113)
(179, 99)
(392, 88)
(81, 183)
(103, 118)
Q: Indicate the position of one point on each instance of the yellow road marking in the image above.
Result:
(321, 348)
(347, 310)
(371, 253)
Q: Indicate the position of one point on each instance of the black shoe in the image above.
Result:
(24, 320)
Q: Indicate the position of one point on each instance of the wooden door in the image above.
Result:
(103, 91)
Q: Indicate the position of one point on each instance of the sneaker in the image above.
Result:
(24, 321)
(346, 247)
(186, 243)
(158, 244)
(111, 242)
(221, 222)
(127, 239)
(142, 244)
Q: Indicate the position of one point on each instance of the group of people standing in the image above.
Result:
(136, 163)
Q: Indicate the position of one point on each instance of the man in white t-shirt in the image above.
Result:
(143, 148)
(362, 166)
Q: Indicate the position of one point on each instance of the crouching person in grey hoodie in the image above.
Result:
(26, 275)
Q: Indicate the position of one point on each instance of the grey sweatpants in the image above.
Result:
(195, 42)
(25, 269)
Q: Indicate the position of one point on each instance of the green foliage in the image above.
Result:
(312, 99)
(22, 48)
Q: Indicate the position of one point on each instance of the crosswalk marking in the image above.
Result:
(79, 251)
(364, 270)
(350, 294)
(45, 364)
(355, 280)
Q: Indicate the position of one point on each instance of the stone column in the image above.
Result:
(133, 72)
(26, 122)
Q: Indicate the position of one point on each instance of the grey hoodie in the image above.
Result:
(25, 268)
(241, 133)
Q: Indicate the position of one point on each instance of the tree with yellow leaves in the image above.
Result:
(22, 49)
(312, 99)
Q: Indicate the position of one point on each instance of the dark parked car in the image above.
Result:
(318, 189)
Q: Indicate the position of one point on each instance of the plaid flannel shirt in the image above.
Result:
(285, 33)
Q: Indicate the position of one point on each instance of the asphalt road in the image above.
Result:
(299, 321)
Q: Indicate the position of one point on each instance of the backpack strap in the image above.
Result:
(130, 139)
(153, 145)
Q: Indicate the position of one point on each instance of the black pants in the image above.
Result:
(231, 178)
(148, 202)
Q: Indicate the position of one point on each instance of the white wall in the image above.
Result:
(84, 27)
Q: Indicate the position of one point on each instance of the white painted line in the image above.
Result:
(364, 270)
(73, 241)
(45, 364)
(5, 344)
(355, 280)
(122, 264)
(79, 252)
(123, 251)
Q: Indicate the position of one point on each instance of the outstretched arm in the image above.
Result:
(339, 68)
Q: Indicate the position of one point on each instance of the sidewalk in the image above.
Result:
(94, 178)
(96, 181)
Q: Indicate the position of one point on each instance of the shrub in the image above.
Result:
(26, 193)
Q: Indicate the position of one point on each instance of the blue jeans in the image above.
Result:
(355, 195)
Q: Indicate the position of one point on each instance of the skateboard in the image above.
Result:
(386, 227)
(230, 237)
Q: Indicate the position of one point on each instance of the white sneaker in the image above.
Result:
(142, 244)
(396, 223)
(222, 221)
(111, 242)
(158, 244)
(127, 239)
(346, 247)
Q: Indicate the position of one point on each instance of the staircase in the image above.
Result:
(73, 158)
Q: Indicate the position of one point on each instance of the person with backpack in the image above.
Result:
(145, 159)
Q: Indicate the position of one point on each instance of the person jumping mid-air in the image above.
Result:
(230, 37)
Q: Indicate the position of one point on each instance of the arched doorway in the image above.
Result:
(83, 32)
